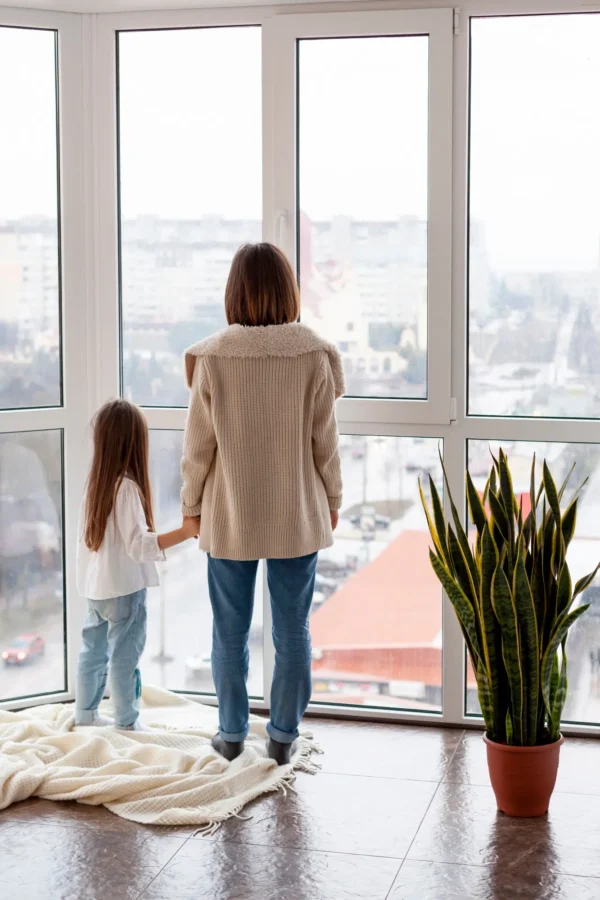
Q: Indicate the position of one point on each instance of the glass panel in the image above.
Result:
(32, 622)
(30, 368)
(178, 648)
(190, 189)
(363, 207)
(534, 311)
(583, 645)
(376, 622)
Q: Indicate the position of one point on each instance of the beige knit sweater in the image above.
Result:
(260, 454)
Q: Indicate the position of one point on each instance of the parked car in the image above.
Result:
(24, 649)
(367, 516)
(318, 600)
(336, 571)
(327, 586)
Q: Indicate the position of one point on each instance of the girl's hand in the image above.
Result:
(335, 518)
(191, 526)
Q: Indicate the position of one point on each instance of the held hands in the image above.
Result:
(335, 518)
(190, 526)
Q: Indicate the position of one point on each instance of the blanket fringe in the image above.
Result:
(207, 830)
(284, 784)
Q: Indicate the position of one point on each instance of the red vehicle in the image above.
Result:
(25, 648)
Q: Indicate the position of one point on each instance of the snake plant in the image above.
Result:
(514, 598)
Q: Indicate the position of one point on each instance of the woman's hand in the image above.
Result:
(335, 518)
(191, 526)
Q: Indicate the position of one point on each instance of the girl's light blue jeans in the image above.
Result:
(114, 631)
(291, 586)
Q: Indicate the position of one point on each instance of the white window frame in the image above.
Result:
(76, 352)
(280, 36)
(89, 262)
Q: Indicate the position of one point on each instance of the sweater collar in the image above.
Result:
(239, 341)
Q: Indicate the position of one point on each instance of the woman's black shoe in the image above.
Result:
(281, 753)
(229, 749)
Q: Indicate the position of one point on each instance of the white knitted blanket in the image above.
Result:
(168, 777)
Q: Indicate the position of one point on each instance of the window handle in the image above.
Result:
(280, 225)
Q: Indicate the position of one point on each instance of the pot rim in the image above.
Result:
(537, 748)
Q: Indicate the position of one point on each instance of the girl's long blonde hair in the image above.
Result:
(120, 450)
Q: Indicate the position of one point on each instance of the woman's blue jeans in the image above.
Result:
(291, 586)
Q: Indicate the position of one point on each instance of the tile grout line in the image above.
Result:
(487, 866)
(162, 868)
(298, 849)
(435, 793)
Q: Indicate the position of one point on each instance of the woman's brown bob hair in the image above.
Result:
(261, 288)
(120, 449)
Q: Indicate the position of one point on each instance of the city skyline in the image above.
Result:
(530, 121)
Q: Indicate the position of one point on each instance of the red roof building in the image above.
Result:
(384, 624)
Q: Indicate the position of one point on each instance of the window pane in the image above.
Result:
(376, 622)
(534, 315)
(178, 648)
(30, 371)
(583, 644)
(32, 625)
(191, 192)
(363, 207)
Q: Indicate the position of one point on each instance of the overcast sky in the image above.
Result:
(191, 130)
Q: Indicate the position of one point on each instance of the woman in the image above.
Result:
(261, 468)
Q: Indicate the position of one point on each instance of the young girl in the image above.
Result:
(116, 555)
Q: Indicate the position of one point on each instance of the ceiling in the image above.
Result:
(114, 6)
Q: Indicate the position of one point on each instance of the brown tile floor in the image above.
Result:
(398, 813)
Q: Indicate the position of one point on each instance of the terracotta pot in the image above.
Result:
(523, 778)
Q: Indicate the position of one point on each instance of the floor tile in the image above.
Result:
(42, 861)
(230, 871)
(341, 813)
(578, 771)
(434, 881)
(387, 751)
(463, 826)
(79, 814)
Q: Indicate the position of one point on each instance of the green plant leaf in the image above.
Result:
(584, 582)
(509, 729)
(462, 539)
(565, 590)
(551, 492)
(538, 591)
(506, 613)
(485, 702)
(492, 481)
(508, 498)
(461, 570)
(530, 650)
(438, 518)
(554, 679)
(432, 529)
(476, 507)
(498, 514)
(563, 486)
(569, 521)
(462, 607)
(557, 636)
(560, 696)
(491, 635)
(533, 497)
